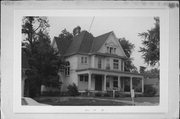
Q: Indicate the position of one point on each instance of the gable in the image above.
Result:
(99, 41)
(112, 41)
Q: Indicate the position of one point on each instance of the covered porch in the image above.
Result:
(95, 81)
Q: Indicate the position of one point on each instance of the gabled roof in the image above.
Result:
(62, 44)
(80, 44)
(99, 41)
(85, 42)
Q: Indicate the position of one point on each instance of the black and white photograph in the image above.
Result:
(90, 61)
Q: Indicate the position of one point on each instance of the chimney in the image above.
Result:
(76, 30)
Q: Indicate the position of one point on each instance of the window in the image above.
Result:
(107, 63)
(115, 82)
(86, 79)
(116, 64)
(114, 51)
(108, 83)
(83, 60)
(99, 62)
(108, 50)
(122, 69)
(67, 69)
(83, 78)
(111, 50)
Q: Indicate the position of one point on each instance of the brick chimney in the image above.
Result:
(76, 31)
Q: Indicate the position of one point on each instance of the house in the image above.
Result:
(96, 64)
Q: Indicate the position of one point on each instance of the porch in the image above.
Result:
(100, 80)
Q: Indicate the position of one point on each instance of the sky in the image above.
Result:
(127, 27)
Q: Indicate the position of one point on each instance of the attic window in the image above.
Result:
(111, 50)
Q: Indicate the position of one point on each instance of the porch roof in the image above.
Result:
(108, 72)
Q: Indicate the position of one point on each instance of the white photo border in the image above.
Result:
(163, 14)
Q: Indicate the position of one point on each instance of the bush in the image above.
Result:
(149, 91)
(73, 90)
(107, 95)
(98, 94)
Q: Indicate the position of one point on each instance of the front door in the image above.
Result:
(98, 82)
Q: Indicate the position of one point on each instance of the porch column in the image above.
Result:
(119, 83)
(105, 82)
(131, 84)
(142, 84)
(89, 81)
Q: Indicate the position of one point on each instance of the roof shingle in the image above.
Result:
(85, 42)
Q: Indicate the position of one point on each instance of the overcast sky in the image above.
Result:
(127, 27)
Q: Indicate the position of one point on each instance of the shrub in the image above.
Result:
(107, 95)
(149, 91)
(73, 90)
(98, 94)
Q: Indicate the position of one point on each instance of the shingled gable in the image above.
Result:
(99, 41)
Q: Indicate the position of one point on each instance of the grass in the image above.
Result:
(73, 101)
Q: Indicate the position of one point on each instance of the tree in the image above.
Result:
(152, 73)
(128, 47)
(150, 44)
(42, 58)
(65, 35)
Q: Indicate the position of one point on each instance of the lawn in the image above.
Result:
(76, 101)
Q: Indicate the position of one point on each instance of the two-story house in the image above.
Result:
(96, 63)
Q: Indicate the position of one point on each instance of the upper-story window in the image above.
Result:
(67, 68)
(83, 60)
(115, 64)
(107, 63)
(99, 63)
(122, 65)
(111, 50)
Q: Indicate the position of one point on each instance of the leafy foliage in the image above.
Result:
(153, 73)
(149, 91)
(73, 90)
(65, 35)
(128, 48)
(43, 60)
(151, 44)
